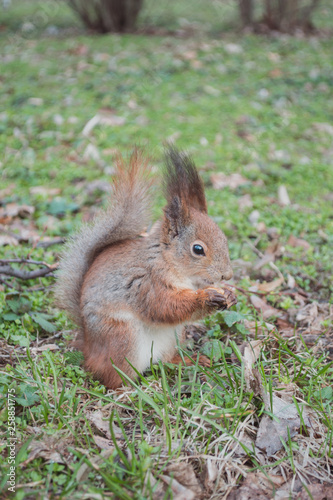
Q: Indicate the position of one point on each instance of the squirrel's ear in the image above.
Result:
(176, 218)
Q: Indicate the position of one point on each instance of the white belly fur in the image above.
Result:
(157, 343)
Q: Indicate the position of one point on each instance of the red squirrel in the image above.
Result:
(132, 295)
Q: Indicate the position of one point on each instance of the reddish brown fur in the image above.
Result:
(102, 352)
(131, 293)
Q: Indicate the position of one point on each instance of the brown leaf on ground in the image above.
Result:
(95, 462)
(209, 475)
(13, 210)
(103, 117)
(183, 472)
(245, 202)
(283, 196)
(50, 448)
(44, 191)
(317, 492)
(195, 331)
(20, 230)
(251, 375)
(103, 443)
(295, 242)
(261, 305)
(307, 315)
(6, 239)
(312, 317)
(286, 422)
(271, 286)
(233, 181)
(284, 327)
(182, 481)
(101, 422)
(256, 486)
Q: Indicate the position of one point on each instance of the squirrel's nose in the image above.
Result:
(227, 275)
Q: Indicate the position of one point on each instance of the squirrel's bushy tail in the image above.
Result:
(127, 215)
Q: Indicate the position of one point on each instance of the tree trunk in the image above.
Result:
(246, 12)
(108, 15)
(288, 15)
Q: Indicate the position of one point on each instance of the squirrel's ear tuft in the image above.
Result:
(176, 218)
(181, 179)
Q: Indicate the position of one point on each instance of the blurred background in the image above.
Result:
(246, 87)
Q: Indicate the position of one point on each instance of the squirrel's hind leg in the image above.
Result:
(112, 342)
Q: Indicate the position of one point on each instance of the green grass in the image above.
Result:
(253, 109)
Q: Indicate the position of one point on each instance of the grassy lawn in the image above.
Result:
(261, 107)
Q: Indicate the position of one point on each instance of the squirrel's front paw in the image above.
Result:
(220, 298)
(229, 295)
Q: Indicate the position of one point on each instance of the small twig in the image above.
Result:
(25, 275)
(47, 339)
(261, 255)
(248, 292)
(7, 284)
(29, 261)
(36, 288)
(47, 244)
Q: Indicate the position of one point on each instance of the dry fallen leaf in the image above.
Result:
(184, 473)
(291, 282)
(44, 191)
(317, 492)
(6, 239)
(50, 449)
(103, 117)
(209, 475)
(251, 375)
(285, 328)
(307, 314)
(14, 210)
(286, 422)
(103, 443)
(91, 153)
(102, 424)
(261, 305)
(269, 287)
(256, 486)
(179, 491)
(283, 196)
(298, 242)
(245, 201)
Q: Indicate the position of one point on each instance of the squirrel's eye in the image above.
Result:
(198, 250)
